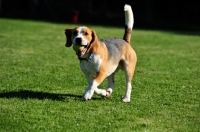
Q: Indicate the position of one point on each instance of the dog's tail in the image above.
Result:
(129, 20)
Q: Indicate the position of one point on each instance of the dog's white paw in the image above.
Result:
(108, 92)
(88, 95)
(126, 99)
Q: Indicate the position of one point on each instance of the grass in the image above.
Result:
(41, 83)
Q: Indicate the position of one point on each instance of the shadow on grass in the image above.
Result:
(27, 94)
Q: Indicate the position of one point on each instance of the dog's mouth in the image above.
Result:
(80, 49)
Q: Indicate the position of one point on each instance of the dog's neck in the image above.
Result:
(87, 57)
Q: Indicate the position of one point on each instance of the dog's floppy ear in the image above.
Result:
(68, 33)
(94, 37)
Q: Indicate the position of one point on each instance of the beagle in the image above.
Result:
(100, 59)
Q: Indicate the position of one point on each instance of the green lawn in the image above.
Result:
(41, 83)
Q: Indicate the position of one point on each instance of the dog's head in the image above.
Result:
(81, 37)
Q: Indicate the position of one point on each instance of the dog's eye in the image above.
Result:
(85, 33)
(75, 33)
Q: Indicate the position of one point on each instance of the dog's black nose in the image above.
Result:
(78, 40)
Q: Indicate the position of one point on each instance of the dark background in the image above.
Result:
(148, 14)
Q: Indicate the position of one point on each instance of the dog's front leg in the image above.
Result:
(93, 83)
(90, 90)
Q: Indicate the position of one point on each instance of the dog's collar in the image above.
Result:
(88, 58)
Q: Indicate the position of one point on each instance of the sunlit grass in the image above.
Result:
(41, 83)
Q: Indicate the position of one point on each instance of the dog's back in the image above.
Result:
(115, 47)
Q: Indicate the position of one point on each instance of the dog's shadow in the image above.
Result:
(28, 94)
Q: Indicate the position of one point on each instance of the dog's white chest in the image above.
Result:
(91, 67)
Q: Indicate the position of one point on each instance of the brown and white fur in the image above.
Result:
(100, 59)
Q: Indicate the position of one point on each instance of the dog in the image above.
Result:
(100, 59)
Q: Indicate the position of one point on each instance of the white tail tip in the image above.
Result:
(127, 7)
(129, 20)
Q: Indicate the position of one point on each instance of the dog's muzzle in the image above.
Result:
(78, 41)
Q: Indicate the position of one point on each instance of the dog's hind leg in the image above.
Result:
(129, 71)
(111, 85)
